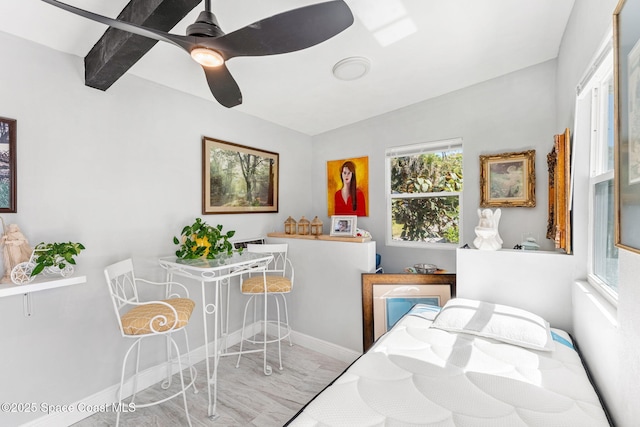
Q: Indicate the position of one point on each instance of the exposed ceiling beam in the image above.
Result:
(117, 50)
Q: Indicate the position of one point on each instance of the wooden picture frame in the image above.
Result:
(508, 180)
(626, 35)
(8, 164)
(238, 179)
(379, 290)
(559, 207)
(343, 225)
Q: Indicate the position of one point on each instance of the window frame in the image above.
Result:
(415, 149)
(600, 74)
(606, 290)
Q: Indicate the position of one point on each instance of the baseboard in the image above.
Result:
(324, 347)
(318, 345)
(104, 401)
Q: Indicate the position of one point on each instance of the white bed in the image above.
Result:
(419, 374)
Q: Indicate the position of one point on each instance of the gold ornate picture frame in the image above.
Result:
(508, 180)
(559, 208)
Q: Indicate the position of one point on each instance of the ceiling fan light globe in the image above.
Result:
(207, 57)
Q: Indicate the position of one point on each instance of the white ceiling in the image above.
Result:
(419, 49)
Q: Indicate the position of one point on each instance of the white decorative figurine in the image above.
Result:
(16, 250)
(487, 230)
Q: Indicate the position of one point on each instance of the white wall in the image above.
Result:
(326, 302)
(628, 393)
(607, 335)
(537, 281)
(119, 171)
(515, 112)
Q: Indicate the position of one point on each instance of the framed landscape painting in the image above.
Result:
(508, 180)
(238, 179)
(8, 186)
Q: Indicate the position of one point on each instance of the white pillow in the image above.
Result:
(500, 322)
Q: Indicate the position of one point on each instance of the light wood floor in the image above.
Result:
(246, 397)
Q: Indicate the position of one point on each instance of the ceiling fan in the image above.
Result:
(208, 45)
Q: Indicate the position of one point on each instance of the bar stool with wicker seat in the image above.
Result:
(139, 320)
(275, 282)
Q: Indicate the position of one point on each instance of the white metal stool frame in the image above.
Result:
(279, 266)
(123, 291)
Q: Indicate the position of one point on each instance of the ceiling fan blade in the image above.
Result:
(184, 42)
(223, 86)
(288, 31)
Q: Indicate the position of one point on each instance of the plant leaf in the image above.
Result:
(37, 270)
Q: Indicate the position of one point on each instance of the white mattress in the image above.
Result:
(420, 376)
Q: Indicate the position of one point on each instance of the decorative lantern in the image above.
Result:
(303, 226)
(290, 226)
(316, 226)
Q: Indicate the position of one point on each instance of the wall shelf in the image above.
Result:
(39, 284)
(326, 237)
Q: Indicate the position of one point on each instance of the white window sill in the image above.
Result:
(421, 245)
(605, 291)
(606, 304)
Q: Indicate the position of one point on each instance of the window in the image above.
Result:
(424, 194)
(595, 105)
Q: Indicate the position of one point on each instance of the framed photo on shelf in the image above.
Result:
(345, 225)
(8, 135)
(508, 180)
(238, 179)
(388, 297)
(627, 118)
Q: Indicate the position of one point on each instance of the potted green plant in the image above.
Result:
(201, 240)
(56, 257)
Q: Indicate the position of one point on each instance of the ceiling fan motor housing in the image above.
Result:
(205, 26)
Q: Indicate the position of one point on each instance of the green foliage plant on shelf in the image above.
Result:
(201, 240)
(55, 255)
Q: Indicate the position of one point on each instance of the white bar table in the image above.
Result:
(212, 273)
